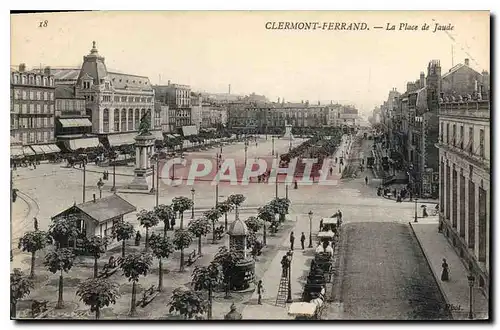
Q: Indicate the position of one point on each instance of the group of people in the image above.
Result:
(302, 240)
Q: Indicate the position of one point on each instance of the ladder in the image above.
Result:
(282, 292)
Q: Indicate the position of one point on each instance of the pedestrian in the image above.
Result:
(302, 240)
(424, 211)
(321, 225)
(395, 191)
(35, 223)
(284, 266)
(138, 237)
(260, 290)
(444, 273)
(340, 215)
(331, 170)
(366, 180)
(292, 240)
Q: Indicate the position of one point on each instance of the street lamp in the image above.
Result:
(99, 185)
(246, 149)
(84, 181)
(289, 295)
(415, 220)
(192, 199)
(286, 189)
(272, 153)
(310, 228)
(471, 280)
(278, 166)
(113, 157)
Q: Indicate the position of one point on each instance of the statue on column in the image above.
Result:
(145, 124)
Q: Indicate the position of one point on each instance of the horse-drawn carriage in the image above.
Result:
(319, 275)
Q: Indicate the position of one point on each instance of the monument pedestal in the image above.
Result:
(143, 172)
(288, 132)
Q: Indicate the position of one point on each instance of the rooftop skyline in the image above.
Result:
(210, 50)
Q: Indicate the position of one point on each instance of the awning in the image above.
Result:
(16, 151)
(117, 140)
(28, 151)
(54, 148)
(75, 122)
(76, 144)
(158, 135)
(37, 149)
(49, 148)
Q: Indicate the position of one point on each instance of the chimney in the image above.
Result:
(229, 89)
(466, 62)
(22, 67)
(168, 83)
(94, 197)
(46, 71)
(422, 80)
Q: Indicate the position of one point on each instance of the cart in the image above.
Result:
(330, 224)
(326, 237)
(303, 311)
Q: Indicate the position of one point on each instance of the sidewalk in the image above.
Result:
(271, 278)
(455, 291)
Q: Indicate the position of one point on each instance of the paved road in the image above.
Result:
(386, 275)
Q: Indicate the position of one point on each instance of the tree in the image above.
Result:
(181, 204)
(60, 260)
(224, 208)
(162, 247)
(280, 206)
(133, 266)
(227, 259)
(123, 231)
(31, 242)
(147, 219)
(253, 224)
(213, 215)
(187, 303)
(182, 240)
(20, 286)
(207, 278)
(97, 293)
(266, 214)
(95, 246)
(199, 227)
(165, 213)
(62, 229)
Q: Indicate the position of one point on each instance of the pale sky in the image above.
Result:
(210, 50)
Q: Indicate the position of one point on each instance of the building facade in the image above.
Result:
(115, 102)
(32, 109)
(465, 187)
(178, 99)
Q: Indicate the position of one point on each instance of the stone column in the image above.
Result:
(476, 218)
(467, 212)
(101, 120)
(488, 196)
(137, 157)
(144, 158)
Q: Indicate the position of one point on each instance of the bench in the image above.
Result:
(192, 257)
(109, 269)
(147, 296)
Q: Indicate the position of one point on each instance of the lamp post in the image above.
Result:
(290, 143)
(99, 185)
(278, 165)
(84, 181)
(113, 157)
(192, 199)
(289, 295)
(286, 189)
(415, 220)
(310, 228)
(246, 149)
(272, 152)
(471, 280)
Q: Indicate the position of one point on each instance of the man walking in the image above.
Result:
(302, 240)
(292, 240)
(366, 180)
(260, 290)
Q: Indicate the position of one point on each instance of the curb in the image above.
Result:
(413, 201)
(436, 277)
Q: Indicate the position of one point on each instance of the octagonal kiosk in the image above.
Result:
(244, 274)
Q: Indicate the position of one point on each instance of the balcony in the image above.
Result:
(475, 109)
(467, 155)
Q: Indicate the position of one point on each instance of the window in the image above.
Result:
(481, 143)
(123, 120)
(16, 107)
(45, 96)
(105, 120)
(130, 119)
(124, 99)
(32, 80)
(25, 95)
(45, 81)
(16, 79)
(130, 98)
(117, 99)
(454, 139)
(23, 80)
(471, 139)
(11, 122)
(461, 137)
(32, 108)
(116, 120)
(137, 118)
(32, 95)
(51, 96)
(37, 80)
(24, 108)
(447, 133)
